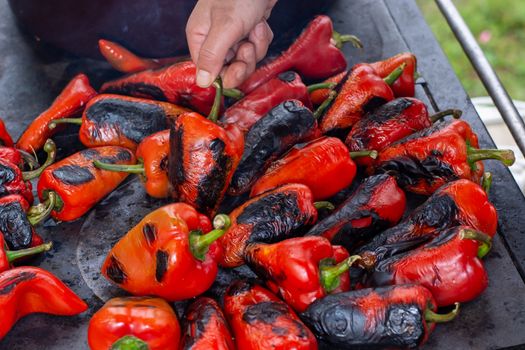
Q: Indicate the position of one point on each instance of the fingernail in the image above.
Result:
(260, 31)
(203, 78)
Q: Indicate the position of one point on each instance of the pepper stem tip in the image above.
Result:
(39, 213)
(330, 273)
(13, 255)
(484, 240)
(324, 205)
(433, 317)
(365, 153)
(54, 123)
(455, 113)
(51, 149)
(200, 243)
(395, 74)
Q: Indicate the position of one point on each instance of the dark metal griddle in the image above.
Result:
(29, 81)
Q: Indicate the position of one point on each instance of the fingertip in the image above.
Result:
(235, 74)
(204, 78)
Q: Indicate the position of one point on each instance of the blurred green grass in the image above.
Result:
(499, 26)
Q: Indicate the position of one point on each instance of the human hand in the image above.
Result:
(228, 37)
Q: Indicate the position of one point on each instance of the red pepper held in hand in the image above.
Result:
(449, 266)
(205, 327)
(167, 254)
(27, 290)
(5, 138)
(71, 101)
(261, 321)
(405, 85)
(134, 323)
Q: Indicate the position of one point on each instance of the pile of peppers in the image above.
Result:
(306, 185)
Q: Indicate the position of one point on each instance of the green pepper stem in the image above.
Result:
(124, 168)
(129, 342)
(39, 213)
(341, 39)
(320, 86)
(326, 103)
(54, 123)
(200, 243)
(433, 317)
(329, 275)
(506, 156)
(51, 149)
(365, 153)
(214, 112)
(395, 74)
(484, 240)
(486, 181)
(324, 205)
(29, 159)
(13, 255)
(233, 93)
(455, 113)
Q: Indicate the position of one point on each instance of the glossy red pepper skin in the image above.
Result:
(174, 84)
(155, 257)
(27, 290)
(448, 266)
(12, 182)
(205, 327)
(247, 111)
(5, 138)
(79, 184)
(154, 152)
(404, 86)
(268, 218)
(12, 155)
(70, 102)
(261, 321)
(363, 90)
(151, 320)
(313, 55)
(387, 124)
(378, 203)
(15, 228)
(364, 318)
(460, 202)
(324, 165)
(318, 96)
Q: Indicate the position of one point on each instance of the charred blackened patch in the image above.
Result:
(284, 126)
(135, 120)
(373, 103)
(287, 77)
(73, 175)
(163, 165)
(439, 212)
(424, 132)
(265, 312)
(7, 175)
(161, 265)
(198, 316)
(212, 185)
(122, 155)
(389, 110)
(14, 226)
(176, 158)
(136, 89)
(149, 231)
(239, 287)
(90, 153)
(115, 271)
(9, 284)
(403, 326)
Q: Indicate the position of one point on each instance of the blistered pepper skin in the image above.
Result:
(12, 181)
(14, 225)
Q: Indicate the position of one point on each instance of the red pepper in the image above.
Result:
(72, 186)
(15, 227)
(9, 256)
(319, 92)
(363, 90)
(261, 321)
(378, 203)
(324, 165)
(400, 317)
(27, 290)
(11, 155)
(390, 123)
(5, 138)
(449, 266)
(405, 85)
(268, 218)
(460, 202)
(203, 158)
(315, 54)
(167, 254)
(205, 327)
(134, 323)
(113, 120)
(301, 270)
(70, 102)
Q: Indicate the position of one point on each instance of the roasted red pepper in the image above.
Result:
(378, 203)
(432, 157)
(405, 85)
(202, 158)
(301, 270)
(397, 317)
(449, 266)
(362, 91)
(205, 327)
(389, 123)
(18, 157)
(319, 92)
(324, 165)
(113, 120)
(15, 226)
(460, 202)
(70, 102)
(167, 254)
(7, 257)
(268, 218)
(246, 112)
(261, 321)
(284, 126)
(27, 290)
(134, 323)
(5, 138)
(313, 55)
(72, 186)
